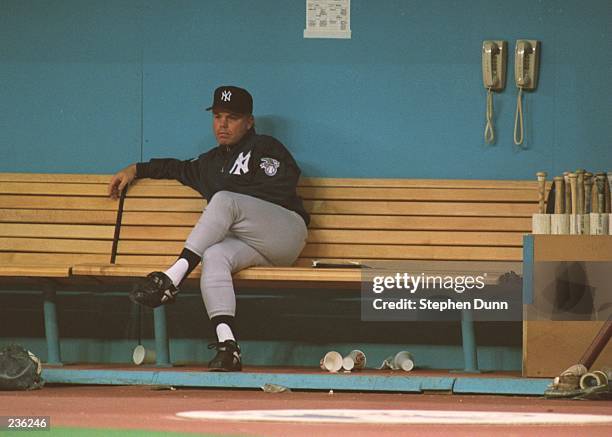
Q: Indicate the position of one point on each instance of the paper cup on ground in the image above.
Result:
(332, 362)
(599, 224)
(540, 224)
(403, 360)
(589, 380)
(348, 363)
(579, 224)
(603, 377)
(576, 369)
(559, 224)
(358, 358)
(142, 355)
(387, 363)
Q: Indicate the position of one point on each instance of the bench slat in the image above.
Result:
(53, 189)
(57, 216)
(412, 252)
(415, 237)
(51, 231)
(328, 221)
(352, 251)
(339, 193)
(355, 207)
(420, 208)
(419, 183)
(64, 259)
(164, 205)
(161, 262)
(55, 177)
(305, 181)
(55, 245)
(419, 194)
(350, 236)
(58, 202)
(161, 218)
(50, 271)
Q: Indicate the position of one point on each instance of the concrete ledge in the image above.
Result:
(298, 381)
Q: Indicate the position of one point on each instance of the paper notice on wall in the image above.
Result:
(328, 19)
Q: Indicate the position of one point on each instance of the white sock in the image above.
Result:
(177, 271)
(224, 332)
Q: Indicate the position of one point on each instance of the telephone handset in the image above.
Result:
(494, 54)
(527, 54)
(526, 63)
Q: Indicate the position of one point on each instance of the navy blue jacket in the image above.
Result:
(259, 166)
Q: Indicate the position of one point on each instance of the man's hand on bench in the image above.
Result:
(121, 180)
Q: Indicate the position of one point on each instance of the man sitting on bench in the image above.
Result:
(253, 217)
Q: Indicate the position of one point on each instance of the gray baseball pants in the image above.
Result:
(237, 231)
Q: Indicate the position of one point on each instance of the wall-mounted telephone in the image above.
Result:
(526, 64)
(494, 55)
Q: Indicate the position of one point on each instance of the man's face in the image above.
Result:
(230, 127)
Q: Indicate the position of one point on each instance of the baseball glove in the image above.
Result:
(155, 290)
(20, 369)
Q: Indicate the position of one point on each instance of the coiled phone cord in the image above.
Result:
(489, 133)
(518, 118)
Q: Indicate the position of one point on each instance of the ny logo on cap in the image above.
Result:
(226, 95)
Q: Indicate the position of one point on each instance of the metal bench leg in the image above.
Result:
(162, 346)
(468, 337)
(51, 331)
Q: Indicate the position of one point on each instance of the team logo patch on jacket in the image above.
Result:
(241, 165)
(269, 165)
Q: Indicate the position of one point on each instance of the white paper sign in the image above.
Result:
(328, 19)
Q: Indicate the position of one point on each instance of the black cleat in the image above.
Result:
(154, 290)
(227, 358)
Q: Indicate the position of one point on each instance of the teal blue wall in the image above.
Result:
(89, 86)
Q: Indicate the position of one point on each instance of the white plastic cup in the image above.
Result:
(332, 362)
(348, 363)
(591, 379)
(579, 224)
(540, 224)
(559, 224)
(599, 224)
(355, 360)
(403, 360)
(603, 377)
(576, 370)
(142, 355)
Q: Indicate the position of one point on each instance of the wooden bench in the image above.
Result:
(353, 220)
(49, 223)
(470, 223)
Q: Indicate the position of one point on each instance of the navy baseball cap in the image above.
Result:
(232, 99)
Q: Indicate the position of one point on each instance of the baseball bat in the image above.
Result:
(566, 204)
(588, 190)
(597, 345)
(608, 189)
(559, 195)
(572, 180)
(580, 193)
(541, 189)
(600, 181)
